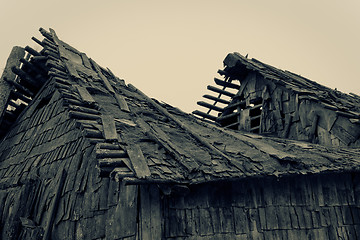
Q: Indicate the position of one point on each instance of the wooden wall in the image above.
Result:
(302, 207)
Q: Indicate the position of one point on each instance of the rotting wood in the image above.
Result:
(85, 60)
(226, 84)
(85, 95)
(106, 153)
(121, 102)
(83, 115)
(7, 75)
(32, 51)
(84, 109)
(59, 179)
(186, 128)
(108, 123)
(204, 115)
(218, 90)
(138, 161)
(220, 100)
(71, 69)
(102, 77)
(210, 106)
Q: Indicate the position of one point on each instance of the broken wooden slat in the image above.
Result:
(138, 161)
(218, 90)
(102, 77)
(85, 95)
(122, 102)
(84, 109)
(210, 106)
(226, 84)
(108, 123)
(204, 115)
(220, 100)
(25, 77)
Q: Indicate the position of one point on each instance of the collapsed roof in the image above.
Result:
(60, 101)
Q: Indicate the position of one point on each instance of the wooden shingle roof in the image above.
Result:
(137, 139)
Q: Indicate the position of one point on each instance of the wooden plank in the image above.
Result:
(204, 115)
(85, 95)
(218, 90)
(71, 69)
(210, 106)
(226, 84)
(85, 60)
(102, 77)
(110, 132)
(121, 102)
(138, 161)
(220, 100)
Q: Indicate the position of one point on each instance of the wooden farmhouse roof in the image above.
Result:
(59, 102)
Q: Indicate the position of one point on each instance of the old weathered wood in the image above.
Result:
(20, 88)
(71, 69)
(226, 84)
(59, 179)
(138, 161)
(26, 78)
(150, 215)
(107, 153)
(7, 75)
(85, 95)
(111, 162)
(102, 77)
(218, 90)
(85, 60)
(83, 115)
(220, 100)
(83, 109)
(110, 132)
(32, 51)
(210, 106)
(121, 102)
(204, 115)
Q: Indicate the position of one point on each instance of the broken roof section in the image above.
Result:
(82, 108)
(259, 98)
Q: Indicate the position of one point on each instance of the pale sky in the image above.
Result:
(171, 50)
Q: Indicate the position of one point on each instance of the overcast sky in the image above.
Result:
(171, 50)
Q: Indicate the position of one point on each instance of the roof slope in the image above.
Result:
(139, 140)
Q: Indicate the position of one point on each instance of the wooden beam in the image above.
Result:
(102, 77)
(32, 51)
(226, 84)
(218, 90)
(204, 115)
(216, 99)
(210, 106)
